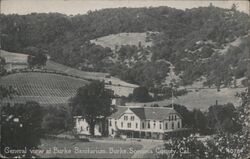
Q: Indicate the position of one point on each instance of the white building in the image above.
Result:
(137, 122)
(145, 122)
(82, 127)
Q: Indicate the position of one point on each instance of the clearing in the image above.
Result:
(116, 40)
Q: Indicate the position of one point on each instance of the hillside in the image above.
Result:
(13, 57)
(200, 42)
(45, 88)
(116, 40)
(201, 99)
(119, 87)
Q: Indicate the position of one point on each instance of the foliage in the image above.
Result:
(223, 118)
(2, 65)
(185, 113)
(188, 39)
(92, 102)
(21, 128)
(57, 119)
(37, 60)
(140, 94)
(221, 145)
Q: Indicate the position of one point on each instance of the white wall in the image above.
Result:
(82, 127)
(116, 123)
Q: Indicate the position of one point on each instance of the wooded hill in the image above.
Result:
(198, 42)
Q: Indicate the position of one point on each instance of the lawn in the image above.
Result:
(64, 148)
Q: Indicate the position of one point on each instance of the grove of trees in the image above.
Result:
(21, 129)
(188, 39)
(93, 102)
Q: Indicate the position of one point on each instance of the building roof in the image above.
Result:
(147, 113)
(118, 112)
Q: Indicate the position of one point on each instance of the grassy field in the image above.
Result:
(93, 149)
(14, 57)
(120, 87)
(202, 99)
(42, 87)
(114, 40)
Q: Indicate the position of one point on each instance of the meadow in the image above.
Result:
(202, 99)
(65, 148)
(114, 40)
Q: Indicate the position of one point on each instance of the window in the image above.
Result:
(148, 125)
(178, 124)
(136, 125)
(172, 125)
(122, 124)
(154, 124)
(172, 117)
(160, 125)
(115, 123)
(143, 126)
(132, 118)
(125, 117)
(169, 118)
(112, 132)
(129, 125)
(166, 125)
(110, 123)
(87, 128)
(175, 117)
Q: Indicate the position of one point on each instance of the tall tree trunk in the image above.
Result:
(92, 127)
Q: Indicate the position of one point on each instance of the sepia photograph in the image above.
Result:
(142, 79)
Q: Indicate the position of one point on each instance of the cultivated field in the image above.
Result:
(92, 149)
(114, 40)
(45, 88)
(120, 87)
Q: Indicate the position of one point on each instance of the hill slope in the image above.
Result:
(119, 87)
(202, 99)
(188, 39)
(116, 40)
(45, 88)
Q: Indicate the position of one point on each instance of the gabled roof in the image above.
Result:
(118, 112)
(147, 113)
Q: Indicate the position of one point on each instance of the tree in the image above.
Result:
(223, 118)
(21, 128)
(141, 94)
(92, 102)
(185, 113)
(2, 65)
(57, 119)
(199, 121)
(37, 60)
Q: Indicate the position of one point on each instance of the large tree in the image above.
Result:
(21, 128)
(92, 102)
(38, 60)
(141, 94)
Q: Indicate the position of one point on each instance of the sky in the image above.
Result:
(73, 7)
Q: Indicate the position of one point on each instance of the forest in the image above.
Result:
(190, 39)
